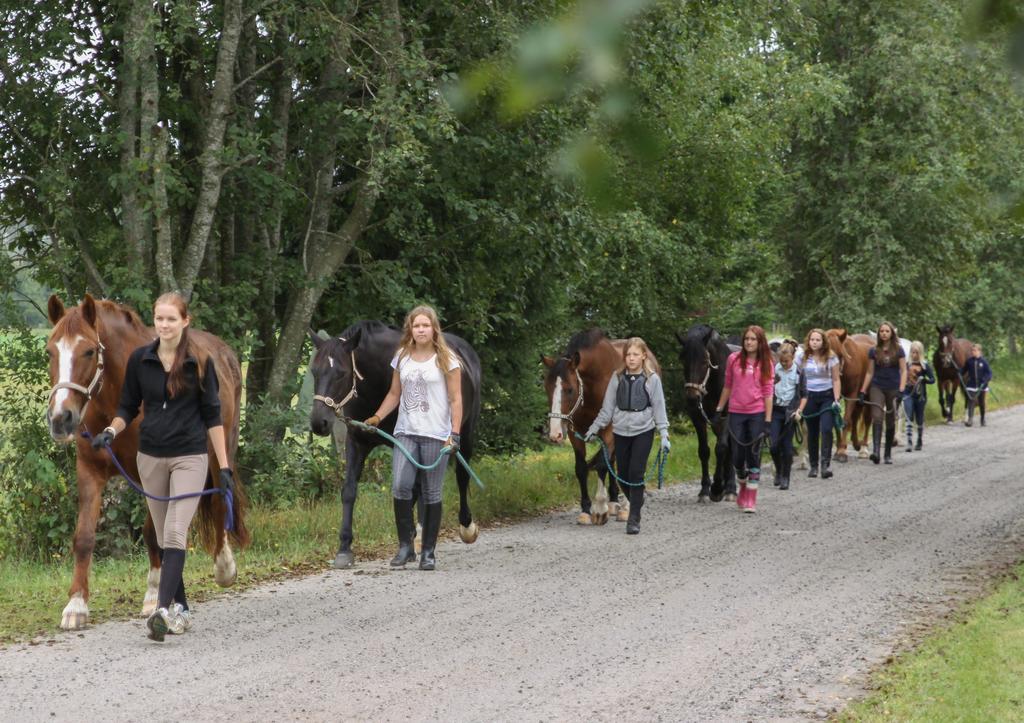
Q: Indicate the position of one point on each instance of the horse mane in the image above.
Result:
(366, 326)
(587, 339)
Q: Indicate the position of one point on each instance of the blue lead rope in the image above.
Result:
(659, 462)
(445, 451)
(229, 498)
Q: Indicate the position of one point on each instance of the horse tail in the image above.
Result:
(210, 518)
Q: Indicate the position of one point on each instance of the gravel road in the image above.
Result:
(707, 615)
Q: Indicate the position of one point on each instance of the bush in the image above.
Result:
(283, 469)
(38, 494)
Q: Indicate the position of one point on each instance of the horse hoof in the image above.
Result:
(729, 498)
(863, 454)
(622, 515)
(703, 499)
(599, 518)
(613, 508)
(343, 561)
(224, 570)
(584, 519)
(75, 615)
(841, 457)
(469, 534)
(148, 606)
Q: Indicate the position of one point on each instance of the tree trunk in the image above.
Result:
(213, 147)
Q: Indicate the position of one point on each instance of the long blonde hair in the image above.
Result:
(441, 349)
(648, 367)
(917, 347)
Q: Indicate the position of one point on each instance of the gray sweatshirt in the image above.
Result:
(630, 424)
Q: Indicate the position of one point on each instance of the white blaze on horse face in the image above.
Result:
(65, 360)
(555, 424)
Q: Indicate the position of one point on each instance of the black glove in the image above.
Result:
(454, 441)
(861, 396)
(227, 480)
(102, 439)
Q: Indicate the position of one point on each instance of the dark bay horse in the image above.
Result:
(949, 358)
(353, 373)
(575, 384)
(704, 353)
(89, 349)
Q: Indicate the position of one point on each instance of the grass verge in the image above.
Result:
(973, 670)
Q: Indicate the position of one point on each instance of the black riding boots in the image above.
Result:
(636, 502)
(406, 531)
(783, 474)
(876, 442)
(920, 432)
(431, 526)
(890, 440)
(826, 463)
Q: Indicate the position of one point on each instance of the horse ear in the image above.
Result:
(841, 335)
(938, 329)
(315, 338)
(576, 359)
(709, 335)
(89, 310)
(55, 309)
(547, 361)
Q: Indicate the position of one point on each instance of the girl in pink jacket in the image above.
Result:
(749, 387)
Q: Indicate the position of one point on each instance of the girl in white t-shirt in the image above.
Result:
(821, 393)
(426, 386)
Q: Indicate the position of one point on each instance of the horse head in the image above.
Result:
(564, 388)
(695, 354)
(76, 365)
(944, 351)
(335, 379)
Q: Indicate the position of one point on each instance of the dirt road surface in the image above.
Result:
(707, 615)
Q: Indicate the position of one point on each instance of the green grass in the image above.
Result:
(304, 539)
(971, 671)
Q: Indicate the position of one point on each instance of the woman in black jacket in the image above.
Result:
(175, 384)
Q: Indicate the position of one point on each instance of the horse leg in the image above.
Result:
(153, 577)
(599, 513)
(468, 530)
(90, 483)
(581, 477)
(355, 457)
(848, 416)
(704, 453)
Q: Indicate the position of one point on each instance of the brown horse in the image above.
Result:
(89, 349)
(949, 358)
(575, 384)
(853, 357)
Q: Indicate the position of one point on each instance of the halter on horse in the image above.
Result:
(89, 349)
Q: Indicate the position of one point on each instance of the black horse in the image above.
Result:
(352, 373)
(704, 355)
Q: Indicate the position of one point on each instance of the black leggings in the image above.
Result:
(744, 429)
(631, 454)
(782, 435)
(819, 429)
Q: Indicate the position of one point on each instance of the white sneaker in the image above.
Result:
(179, 619)
(158, 624)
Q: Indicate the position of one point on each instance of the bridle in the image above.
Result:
(334, 406)
(575, 407)
(90, 391)
(702, 388)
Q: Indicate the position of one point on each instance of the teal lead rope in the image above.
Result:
(445, 451)
(659, 462)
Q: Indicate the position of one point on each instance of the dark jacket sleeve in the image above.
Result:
(131, 391)
(985, 373)
(209, 404)
(929, 374)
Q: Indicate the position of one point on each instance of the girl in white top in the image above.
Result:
(426, 386)
(821, 399)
